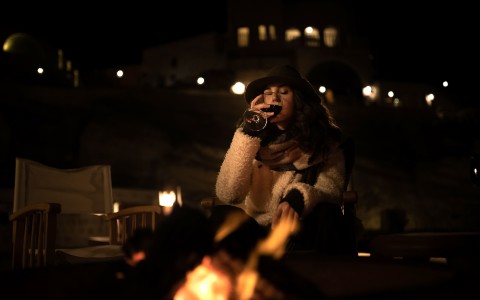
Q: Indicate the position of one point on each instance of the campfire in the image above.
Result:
(193, 257)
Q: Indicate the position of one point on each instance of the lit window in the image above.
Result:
(429, 99)
(292, 34)
(262, 32)
(76, 78)
(272, 32)
(242, 36)
(312, 36)
(330, 37)
(60, 59)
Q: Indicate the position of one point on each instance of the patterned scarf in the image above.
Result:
(284, 154)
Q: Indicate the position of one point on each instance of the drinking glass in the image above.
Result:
(256, 118)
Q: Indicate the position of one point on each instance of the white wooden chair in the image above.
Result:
(85, 197)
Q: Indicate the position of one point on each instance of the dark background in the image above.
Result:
(409, 40)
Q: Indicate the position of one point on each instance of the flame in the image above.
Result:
(276, 241)
(212, 279)
(246, 282)
(232, 222)
(205, 282)
(274, 245)
(135, 258)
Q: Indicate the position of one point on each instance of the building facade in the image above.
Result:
(318, 38)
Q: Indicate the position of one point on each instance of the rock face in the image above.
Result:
(411, 168)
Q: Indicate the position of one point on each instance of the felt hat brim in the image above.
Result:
(282, 75)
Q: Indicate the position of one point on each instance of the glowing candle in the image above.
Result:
(166, 201)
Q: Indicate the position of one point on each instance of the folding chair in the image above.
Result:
(84, 195)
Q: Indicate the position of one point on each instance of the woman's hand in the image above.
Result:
(259, 103)
(284, 213)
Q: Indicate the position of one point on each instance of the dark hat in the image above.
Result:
(280, 74)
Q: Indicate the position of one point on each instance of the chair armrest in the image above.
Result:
(125, 222)
(48, 208)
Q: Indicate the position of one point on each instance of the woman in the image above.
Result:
(295, 168)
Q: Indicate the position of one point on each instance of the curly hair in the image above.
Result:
(313, 125)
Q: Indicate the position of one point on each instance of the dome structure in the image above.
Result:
(31, 60)
(29, 49)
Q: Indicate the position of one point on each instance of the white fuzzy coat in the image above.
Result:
(247, 183)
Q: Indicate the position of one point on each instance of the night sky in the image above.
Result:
(409, 40)
(93, 36)
(428, 43)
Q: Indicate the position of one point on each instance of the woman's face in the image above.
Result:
(281, 94)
